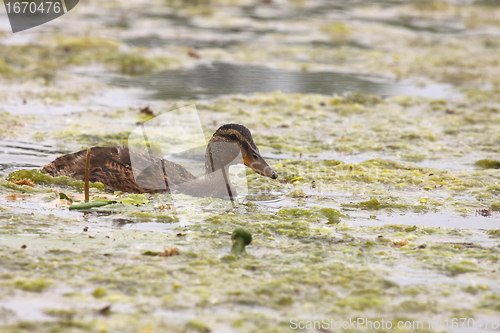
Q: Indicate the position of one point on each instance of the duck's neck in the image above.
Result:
(210, 165)
(215, 184)
(219, 181)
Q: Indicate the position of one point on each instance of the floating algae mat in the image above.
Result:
(386, 209)
(382, 236)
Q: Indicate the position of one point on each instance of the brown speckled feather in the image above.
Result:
(112, 166)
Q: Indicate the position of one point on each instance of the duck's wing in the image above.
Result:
(112, 166)
(73, 165)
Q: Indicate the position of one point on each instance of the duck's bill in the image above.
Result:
(259, 165)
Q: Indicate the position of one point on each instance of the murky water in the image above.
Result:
(16, 155)
(217, 79)
(434, 220)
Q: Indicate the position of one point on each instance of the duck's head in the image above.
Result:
(232, 144)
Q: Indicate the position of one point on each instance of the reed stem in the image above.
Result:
(87, 176)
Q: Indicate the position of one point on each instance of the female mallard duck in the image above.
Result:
(121, 169)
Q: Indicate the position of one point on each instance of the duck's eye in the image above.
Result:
(233, 136)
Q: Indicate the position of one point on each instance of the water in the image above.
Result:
(433, 220)
(16, 155)
(218, 79)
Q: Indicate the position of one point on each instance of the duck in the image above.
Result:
(122, 169)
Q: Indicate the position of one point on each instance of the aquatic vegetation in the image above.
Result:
(310, 241)
(99, 292)
(5, 69)
(46, 59)
(373, 203)
(89, 205)
(338, 31)
(137, 63)
(461, 267)
(491, 301)
(134, 199)
(359, 303)
(35, 285)
(41, 178)
(241, 238)
(487, 164)
(494, 232)
(345, 161)
(13, 125)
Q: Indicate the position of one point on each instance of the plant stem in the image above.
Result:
(87, 176)
(238, 247)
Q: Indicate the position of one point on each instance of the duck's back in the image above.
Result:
(113, 167)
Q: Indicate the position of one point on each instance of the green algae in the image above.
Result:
(197, 326)
(333, 175)
(152, 216)
(461, 267)
(5, 69)
(375, 204)
(18, 188)
(338, 31)
(13, 125)
(99, 292)
(367, 289)
(38, 176)
(135, 64)
(298, 258)
(46, 59)
(313, 214)
(42, 178)
(34, 285)
(487, 164)
(332, 215)
(357, 97)
(296, 212)
(494, 233)
(360, 303)
(66, 315)
(138, 64)
(490, 301)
